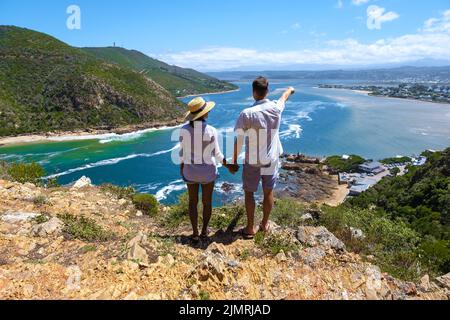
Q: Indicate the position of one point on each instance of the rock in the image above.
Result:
(227, 187)
(444, 281)
(82, 183)
(233, 264)
(281, 257)
(306, 217)
(312, 256)
(54, 226)
(373, 282)
(314, 236)
(217, 248)
(122, 202)
(425, 283)
(138, 254)
(357, 233)
(139, 213)
(19, 216)
(213, 267)
(140, 239)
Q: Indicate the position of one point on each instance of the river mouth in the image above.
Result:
(315, 123)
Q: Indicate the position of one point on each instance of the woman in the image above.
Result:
(200, 156)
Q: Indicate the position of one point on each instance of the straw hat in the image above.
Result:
(198, 107)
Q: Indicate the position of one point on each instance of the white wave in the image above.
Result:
(109, 137)
(147, 188)
(109, 162)
(294, 131)
(174, 186)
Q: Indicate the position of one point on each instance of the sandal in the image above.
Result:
(246, 235)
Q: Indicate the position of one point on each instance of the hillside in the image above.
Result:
(179, 81)
(47, 85)
(92, 243)
(420, 202)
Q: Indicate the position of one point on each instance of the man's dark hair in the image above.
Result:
(261, 86)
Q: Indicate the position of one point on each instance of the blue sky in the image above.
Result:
(239, 34)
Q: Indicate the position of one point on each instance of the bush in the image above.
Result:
(83, 228)
(40, 200)
(226, 217)
(287, 213)
(338, 164)
(274, 243)
(23, 173)
(178, 213)
(119, 192)
(146, 203)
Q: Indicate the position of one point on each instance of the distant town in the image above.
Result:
(424, 92)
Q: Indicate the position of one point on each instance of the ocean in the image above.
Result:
(317, 122)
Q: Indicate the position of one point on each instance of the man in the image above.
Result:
(259, 127)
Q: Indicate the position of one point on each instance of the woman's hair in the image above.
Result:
(192, 123)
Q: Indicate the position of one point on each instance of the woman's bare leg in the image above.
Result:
(207, 195)
(193, 207)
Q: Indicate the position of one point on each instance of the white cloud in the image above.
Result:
(432, 41)
(441, 24)
(359, 2)
(376, 16)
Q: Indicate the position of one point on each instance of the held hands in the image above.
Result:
(232, 168)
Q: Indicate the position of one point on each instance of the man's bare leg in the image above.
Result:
(250, 207)
(267, 209)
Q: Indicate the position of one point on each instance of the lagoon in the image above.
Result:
(317, 122)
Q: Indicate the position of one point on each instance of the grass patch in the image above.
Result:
(178, 214)
(88, 248)
(41, 219)
(40, 201)
(226, 217)
(288, 213)
(165, 246)
(83, 228)
(274, 243)
(203, 295)
(119, 192)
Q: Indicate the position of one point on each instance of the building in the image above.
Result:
(373, 167)
(362, 185)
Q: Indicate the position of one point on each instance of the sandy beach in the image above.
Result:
(90, 134)
(209, 93)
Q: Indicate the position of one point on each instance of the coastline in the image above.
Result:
(209, 93)
(370, 94)
(88, 134)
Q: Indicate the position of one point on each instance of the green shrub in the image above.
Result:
(40, 200)
(52, 183)
(226, 217)
(287, 212)
(3, 170)
(119, 192)
(146, 203)
(23, 173)
(338, 164)
(274, 242)
(42, 218)
(178, 213)
(83, 228)
(203, 295)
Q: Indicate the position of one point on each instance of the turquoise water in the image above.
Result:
(316, 122)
